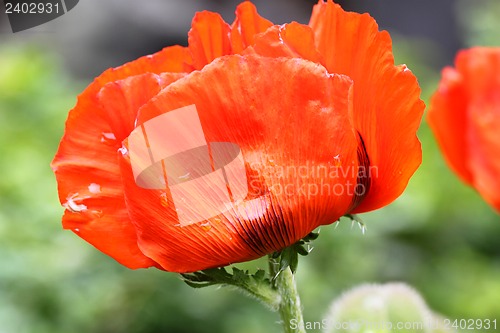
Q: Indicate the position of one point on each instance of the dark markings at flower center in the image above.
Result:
(363, 181)
(270, 232)
(266, 233)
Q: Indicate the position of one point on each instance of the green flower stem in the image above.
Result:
(290, 309)
(263, 293)
(278, 291)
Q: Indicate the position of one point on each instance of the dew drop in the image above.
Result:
(123, 150)
(94, 188)
(72, 205)
(108, 137)
(206, 226)
(164, 200)
(336, 160)
(76, 230)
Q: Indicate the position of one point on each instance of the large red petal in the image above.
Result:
(246, 26)
(208, 38)
(86, 164)
(290, 118)
(387, 108)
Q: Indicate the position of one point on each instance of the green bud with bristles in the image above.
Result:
(389, 308)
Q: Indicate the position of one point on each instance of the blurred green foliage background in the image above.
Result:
(439, 237)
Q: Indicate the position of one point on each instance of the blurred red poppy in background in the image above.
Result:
(325, 121)
(465, 117)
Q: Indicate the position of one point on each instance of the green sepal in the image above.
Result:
(256, 285)
(289, 257)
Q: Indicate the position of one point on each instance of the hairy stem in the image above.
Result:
(290, 309)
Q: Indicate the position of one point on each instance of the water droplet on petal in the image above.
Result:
(336, 160)
(76, 230)
(108, 137)
(94, 188)
(72, 205)
(206, 226)
(164, 200)
(123, 150)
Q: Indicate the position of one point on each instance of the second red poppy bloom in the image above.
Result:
(465, 117)
(317, 116)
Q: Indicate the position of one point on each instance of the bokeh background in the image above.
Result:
(439, 237)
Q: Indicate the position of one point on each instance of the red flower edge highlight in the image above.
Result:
(107, 209)
(465, 117)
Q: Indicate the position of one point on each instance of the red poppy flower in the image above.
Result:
(324, 121)
(465, 117)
